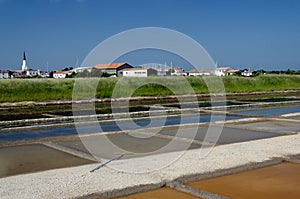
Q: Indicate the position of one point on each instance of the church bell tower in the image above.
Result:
(24, 66)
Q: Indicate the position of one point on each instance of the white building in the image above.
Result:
(224, 71)
(60, 74)
(33, 73)
(137, 72)
(112, 68)
(81, 69)
(44, 74)
(4, 74)
(162, 69)
(247, 73)
(177, 72)
(221, 71)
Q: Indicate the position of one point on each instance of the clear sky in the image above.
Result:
(241, 33)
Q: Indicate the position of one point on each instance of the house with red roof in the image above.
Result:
(60, 74)
(112, 68)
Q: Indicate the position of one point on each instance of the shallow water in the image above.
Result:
(213, 135)
(135, 146)
(71, 130)
(277, 181)
(32, 158)
(272, 111)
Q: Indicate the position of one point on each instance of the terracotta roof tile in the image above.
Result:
(109, 66)
(127, 69)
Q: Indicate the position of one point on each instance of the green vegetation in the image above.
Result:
(261, 83)
(287, 72)
(16, 90)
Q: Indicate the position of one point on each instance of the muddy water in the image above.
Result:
(32, 158)
(277, 181)
(163, 193)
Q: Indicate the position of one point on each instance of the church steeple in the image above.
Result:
(24, 56)
(24, 65)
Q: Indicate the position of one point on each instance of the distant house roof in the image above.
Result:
(177, 68)
(109, 66)
(198, 71)
(17, 71)
(60, 72)
(232, 71)
(127, 69)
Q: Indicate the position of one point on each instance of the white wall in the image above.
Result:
(135, 73)
(59, 75)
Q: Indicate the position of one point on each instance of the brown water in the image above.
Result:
(32, 158)
(163, 193)
(277, 181)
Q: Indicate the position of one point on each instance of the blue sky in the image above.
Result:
(241, 33)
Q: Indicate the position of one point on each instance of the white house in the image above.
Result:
(4, 74)
(60, 74)
(137, 72)
(81, 69)
(247, 73)
(44, 74)
(221, 71)
(177, 72)
(112, 68)
(224, 71)
(33, 73)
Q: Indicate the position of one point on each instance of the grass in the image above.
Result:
(17, 90)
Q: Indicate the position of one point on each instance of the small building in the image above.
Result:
(4, 74)
(44, 74)
(196, 72)
(177, 72)
(224, 71)
(33, 73)
(163, 72)
(81, 69)
(60, 74)
(221, 71)
(137, 72)
(247, 73)
(18, 74)
(113, 68)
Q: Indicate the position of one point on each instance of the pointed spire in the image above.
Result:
(24, 56)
